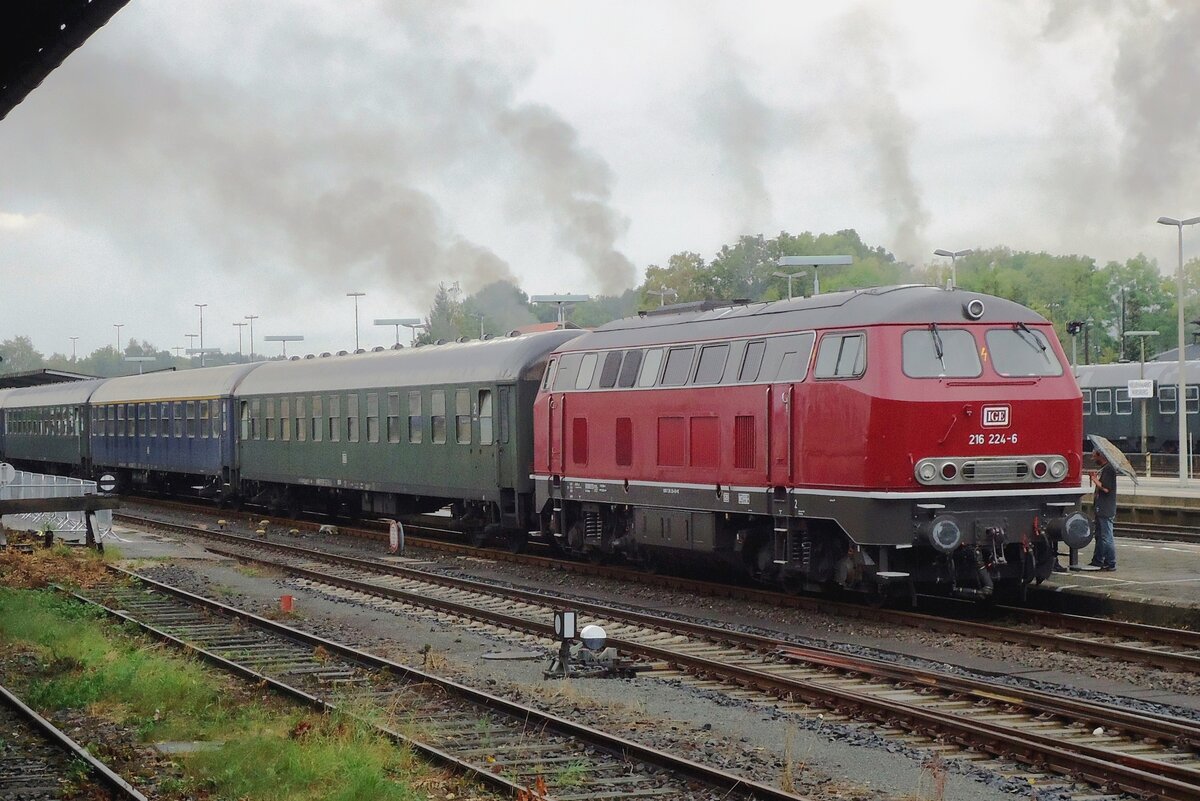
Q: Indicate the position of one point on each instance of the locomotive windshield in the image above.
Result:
(935, 352)
(1021, 351)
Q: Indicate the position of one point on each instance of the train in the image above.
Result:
(867, 440)
(1108, 409)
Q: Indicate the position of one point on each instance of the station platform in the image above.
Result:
(1156, 582)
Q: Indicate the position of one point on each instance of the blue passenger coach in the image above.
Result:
(162, 430)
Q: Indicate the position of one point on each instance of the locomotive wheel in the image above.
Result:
(517, 540)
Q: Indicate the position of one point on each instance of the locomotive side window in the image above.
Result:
(1124, 404)
(1166, 400)
(1021, 351)
(1087, 401)
(612, 366)
(712, 364)
(786, 358)
(679, 366)
(568, 369)
(587, 368)
(1103, 399)
(629, 368)
(752, 360)
(651, 362)
(934, 352)
(844, 355)
(548, 379)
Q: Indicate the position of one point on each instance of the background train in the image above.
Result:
(1109, 411)
(863, 439)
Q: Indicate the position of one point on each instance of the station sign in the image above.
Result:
(1141, 388)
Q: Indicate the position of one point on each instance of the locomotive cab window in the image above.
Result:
(568, 369)
(548, 379)
(935, 352)
(679, 366)
(1124, 404)
(1022, 351)
(1103, 401)
(843, 356)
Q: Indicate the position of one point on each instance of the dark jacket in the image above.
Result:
(1106, 502)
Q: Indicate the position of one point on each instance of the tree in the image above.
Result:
(19, 355)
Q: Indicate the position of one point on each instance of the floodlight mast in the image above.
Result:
(561, 301)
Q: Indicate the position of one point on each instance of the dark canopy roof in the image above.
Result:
(34, 378)
(37, 35)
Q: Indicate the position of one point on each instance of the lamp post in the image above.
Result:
(141, 360)
(662, 293)
(201, 306)
(814, 262)
(789, 277)
(118, 326)
(251, 318)
(73, 341)
(191, 348)
(1181, 398)
(1142, 376)
(953, 254)
(410, 322)
(239, 327)
(356, 296)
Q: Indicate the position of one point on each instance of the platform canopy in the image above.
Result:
(36, 378)
(38, 35)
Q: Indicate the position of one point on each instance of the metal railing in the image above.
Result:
(24, 485)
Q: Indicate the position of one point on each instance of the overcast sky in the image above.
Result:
(267, 158)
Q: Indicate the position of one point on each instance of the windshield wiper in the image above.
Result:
(1028, 336)
(937, 345)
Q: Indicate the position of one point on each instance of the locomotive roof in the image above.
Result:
(909, 303)
(504, 359)
(204, 382)
(62, 394)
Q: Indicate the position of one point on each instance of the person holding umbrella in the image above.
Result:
(1105, 505)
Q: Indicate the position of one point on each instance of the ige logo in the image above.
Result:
(995, 417)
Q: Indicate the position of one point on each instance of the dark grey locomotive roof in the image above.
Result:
(911, 303)
(69, 393)
(490, 360)
(206, 382)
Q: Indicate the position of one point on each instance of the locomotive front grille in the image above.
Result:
(995, 471)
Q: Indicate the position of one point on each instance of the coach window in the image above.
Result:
(120, 419)
(568, 369)
(269, 427)
(352, 418)
(933, 352)
(1021, 351)
(1087, 401)
(164, 420)
(215, 405)
(416, 423)
(679, 366)
(1124, 404)
(485, 417)
(1166, 400)
(587, 369)
(752, 360)
(245, 418)
(152, 420)
(393, 417)
(204, 419)
(372, 417)
(612, 366)
(285, 419)
(651, 363)
(711, 367)
(629, 368)
(844, 355)
(301, 421)
(548, 379)
(318, 425)
(437, 417)
(462, 416)
(335, 418)
(142, 415)
(1103, 400)
(1192, 398)
(503, 415)
(256, 419)
(177, 416)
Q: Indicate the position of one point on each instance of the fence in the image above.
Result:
(18, 485)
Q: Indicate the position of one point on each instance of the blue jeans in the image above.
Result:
(1105, 554)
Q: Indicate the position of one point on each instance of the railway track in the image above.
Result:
(38, 762)
(1105, 746)
(510, 747)
(1158, 531)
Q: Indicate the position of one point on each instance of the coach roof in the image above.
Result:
(204, 382)
(911, 303)
(505, 359)
(64, 394)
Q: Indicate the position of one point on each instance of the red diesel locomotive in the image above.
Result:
(895, 436)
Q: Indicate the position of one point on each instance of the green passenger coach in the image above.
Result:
(399, 431)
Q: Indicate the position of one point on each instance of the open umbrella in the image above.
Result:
(1114, 455)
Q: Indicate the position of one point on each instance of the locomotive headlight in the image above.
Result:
(943, 533)
(949, 471)
(926, 472)
(1058, 468)
(1040, 469)
(973, 309)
